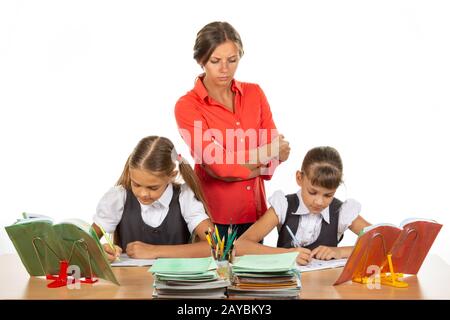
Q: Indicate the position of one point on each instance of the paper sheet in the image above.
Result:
(126, 261)
(316, 264)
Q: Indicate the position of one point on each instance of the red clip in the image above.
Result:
(89, 280)
(61, 278)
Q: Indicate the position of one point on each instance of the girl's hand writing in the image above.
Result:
(112, 254)
(326, 253)
(304, 256)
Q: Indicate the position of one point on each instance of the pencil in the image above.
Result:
(108, 240)
(217, 235)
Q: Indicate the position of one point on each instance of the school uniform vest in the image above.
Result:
(173, 229)
(328, 231)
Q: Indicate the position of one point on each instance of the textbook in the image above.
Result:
(42, 245)
(391, 249)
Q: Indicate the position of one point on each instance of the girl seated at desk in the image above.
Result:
(310, 221)
(151, 215)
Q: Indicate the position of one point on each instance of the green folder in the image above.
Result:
(206, 276)
(282, 262)
(182, 266)
(41, 246)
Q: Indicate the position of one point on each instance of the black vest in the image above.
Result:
(328, 231)
(173, 229)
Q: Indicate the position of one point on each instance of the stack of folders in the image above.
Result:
(184, 278)
(268, 276)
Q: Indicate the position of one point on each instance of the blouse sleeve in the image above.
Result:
(350, 209)
(110, 209)
(192, 209)
(279, 204)
(268, 124)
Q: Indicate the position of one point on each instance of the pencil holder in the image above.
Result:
(223, 269)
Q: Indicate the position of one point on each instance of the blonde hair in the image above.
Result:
(158, 155)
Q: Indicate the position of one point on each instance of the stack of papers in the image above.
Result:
(184, 278)
(316, 264)
(268, 276)
(126, 261)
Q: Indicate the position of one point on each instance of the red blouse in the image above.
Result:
(204, 124)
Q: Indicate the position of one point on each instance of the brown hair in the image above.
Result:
(323, 167)
(211, 36)
(158, 155)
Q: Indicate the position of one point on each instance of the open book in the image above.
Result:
(42, 245)
(407, 245)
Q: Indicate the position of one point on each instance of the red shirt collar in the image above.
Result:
(201, 91)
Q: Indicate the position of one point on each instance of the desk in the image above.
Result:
(432, 282)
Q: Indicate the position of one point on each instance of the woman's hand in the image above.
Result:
(141, 250)
(326, 253)
(285, 150)
(112, 254)
(281, 148)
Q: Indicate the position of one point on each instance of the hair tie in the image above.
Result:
(179, 158)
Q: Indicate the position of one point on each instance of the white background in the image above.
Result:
(82, 81)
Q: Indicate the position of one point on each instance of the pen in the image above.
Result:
(294, 238)
(108, 240)
(217, 143)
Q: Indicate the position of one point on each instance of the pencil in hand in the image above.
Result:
(110, 243)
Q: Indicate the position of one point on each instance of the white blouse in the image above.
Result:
(310, 224)
(111, 206)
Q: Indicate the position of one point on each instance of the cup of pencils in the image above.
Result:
(222, 249)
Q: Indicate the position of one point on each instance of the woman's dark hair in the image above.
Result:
(211, 36)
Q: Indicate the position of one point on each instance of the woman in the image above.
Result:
(229, 128)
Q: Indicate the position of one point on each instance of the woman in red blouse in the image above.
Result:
(229, 128)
